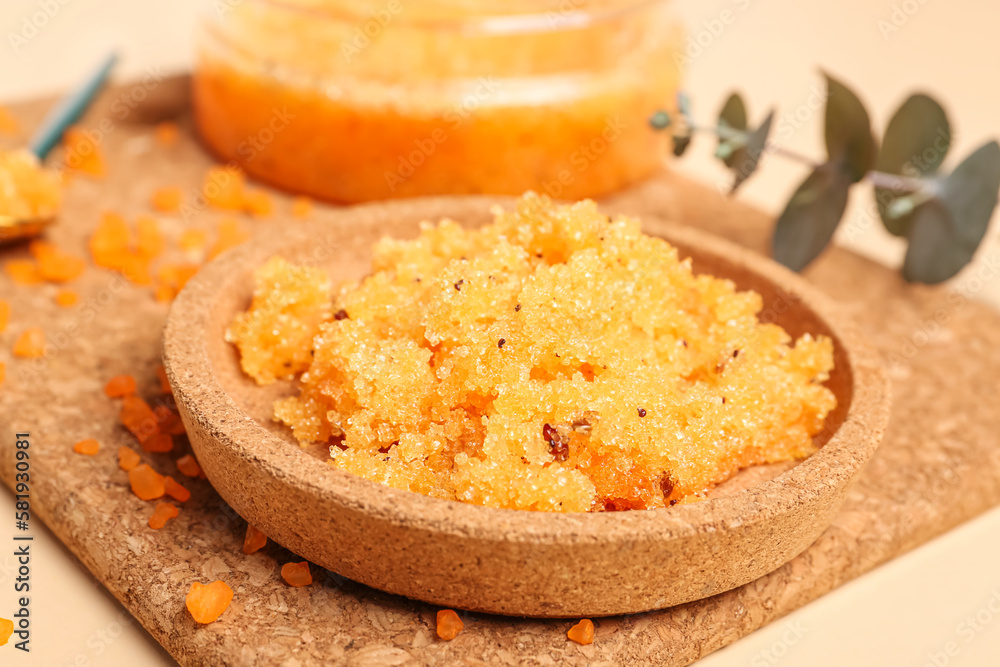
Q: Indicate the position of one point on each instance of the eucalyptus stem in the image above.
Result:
(895, 182)
(879, 179)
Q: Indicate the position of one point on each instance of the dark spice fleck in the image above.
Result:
(667, 485)
(617, 505)
(558, 446)
(501, 342)
(517, 308)
(458, 285)
(340, 314)
(736, 353)
(684, 342)
(642, 412)
(723, 400)
(673, 502)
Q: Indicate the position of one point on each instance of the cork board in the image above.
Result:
(938, 466)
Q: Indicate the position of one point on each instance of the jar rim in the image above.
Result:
(557, 18)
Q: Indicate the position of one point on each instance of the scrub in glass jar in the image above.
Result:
(352, 101)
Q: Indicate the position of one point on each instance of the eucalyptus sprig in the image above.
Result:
(943, 216)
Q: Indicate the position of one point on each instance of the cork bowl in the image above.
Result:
(505, 561)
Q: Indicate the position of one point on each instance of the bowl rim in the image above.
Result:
(841, 457)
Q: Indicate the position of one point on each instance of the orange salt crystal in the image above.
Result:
(164, 293)
(6, 630)
(39, 248)
(87, 447)
(171, 279)
(55, 265)
(127, 458)
(8, 125)
(120, 386)
(4, 315)
(135, 268)
(258, 203)
(109, 244)
(223, 188)
(178, 274)
(166, 133)
(60, 267)
(582, 632)
(254, 540)
(167, 199)
(158, 443)
(175, 490)
(192, 240)
(31, 344)
(301, 207)
(23, 271)
(208, 603)
(230, 236)
(448, 624)
(138, 417)
(173, 425)
(148, 239)
(146, 482)
(66, 298)
(168, 421)
(188, 466)
(161, 373)
(296, 574)
(164, 512)
(83, 153)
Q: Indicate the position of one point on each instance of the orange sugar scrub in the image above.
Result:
(27, 191)
(450, 96)
(554, 360)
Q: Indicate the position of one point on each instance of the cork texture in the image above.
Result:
(938, 464)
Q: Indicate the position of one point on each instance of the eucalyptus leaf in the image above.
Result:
(811, 217)
(681, 143)
(734, 113)
(732, 126)
(945, 232)
(970, 192)
(915, 144)
(934, 254)
(684, 106)
(848, 132)
(660, 120)
(747, 159)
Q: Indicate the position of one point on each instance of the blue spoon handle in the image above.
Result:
(69, 109)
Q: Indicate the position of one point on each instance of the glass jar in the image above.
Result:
(356, 100)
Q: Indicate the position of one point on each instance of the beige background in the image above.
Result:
(904, 613)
